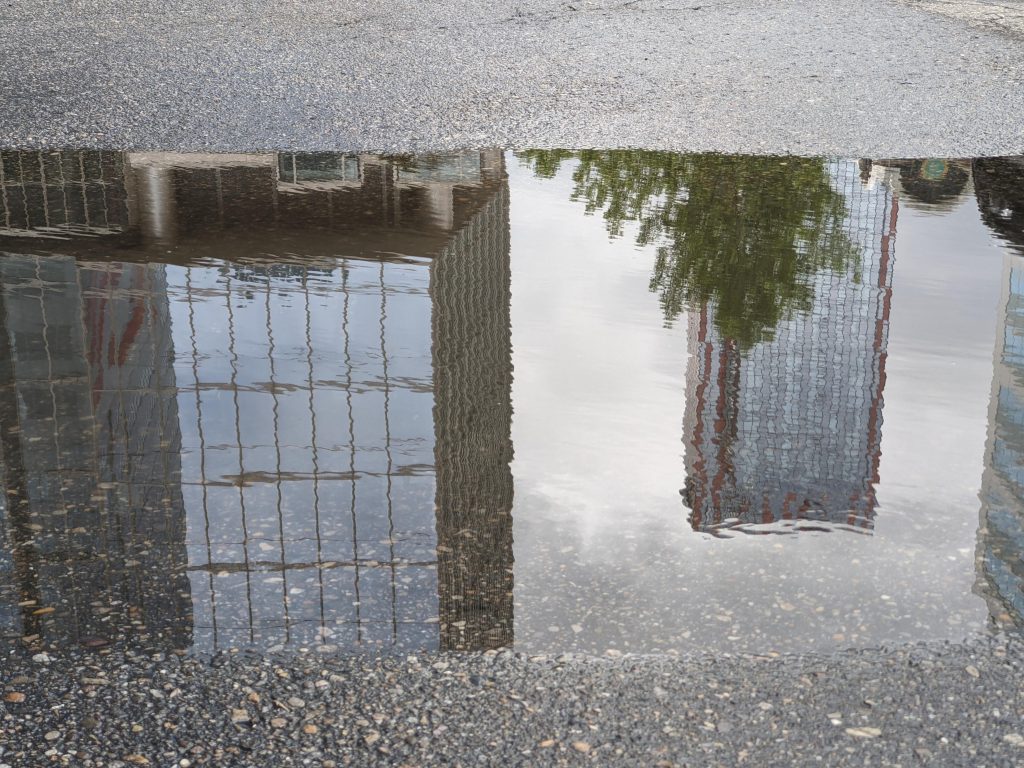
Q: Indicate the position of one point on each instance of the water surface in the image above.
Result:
(560, 401)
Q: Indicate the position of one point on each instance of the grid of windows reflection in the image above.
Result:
(303, 393)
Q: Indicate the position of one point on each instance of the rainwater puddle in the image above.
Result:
(559, 401)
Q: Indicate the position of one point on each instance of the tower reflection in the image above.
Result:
(782, 269)
(261, 399)
(1001, 526)
(788, 431)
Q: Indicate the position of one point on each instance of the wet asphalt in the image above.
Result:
(868, 78)
(872, 78)
(943, 706)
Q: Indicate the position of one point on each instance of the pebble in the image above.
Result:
(864, 732)
(581, 746)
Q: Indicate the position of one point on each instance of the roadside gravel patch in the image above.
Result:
(1002, 15)
(942, 705)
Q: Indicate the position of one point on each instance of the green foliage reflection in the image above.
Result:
(746, 234)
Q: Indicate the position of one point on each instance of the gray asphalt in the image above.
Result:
(871, 77)
(943, 706)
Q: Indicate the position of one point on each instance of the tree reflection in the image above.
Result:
(747, 234)
(999, 186)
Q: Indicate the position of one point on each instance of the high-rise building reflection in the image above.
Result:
(91, 449)
(315, 352)
(1001, 526)
(789, 429)
(783, 268)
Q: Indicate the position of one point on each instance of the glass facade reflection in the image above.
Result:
(790, 429)
(236, 447)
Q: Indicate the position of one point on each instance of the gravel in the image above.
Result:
(909, 705)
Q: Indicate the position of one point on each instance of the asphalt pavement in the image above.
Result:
(872, 77)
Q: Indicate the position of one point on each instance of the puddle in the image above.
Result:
(560, 401)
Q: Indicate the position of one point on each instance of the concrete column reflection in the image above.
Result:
(155, 201)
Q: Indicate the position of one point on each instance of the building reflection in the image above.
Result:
(788, 431)
(91, 445)
(53, 194)
(938, 185)
(257, 399)
(783, 269)
(1000, 196)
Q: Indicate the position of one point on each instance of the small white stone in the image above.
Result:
(866, 732)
